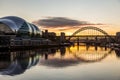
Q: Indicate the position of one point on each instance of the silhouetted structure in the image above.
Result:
(118, 37)
(101, 38)
(16, 32)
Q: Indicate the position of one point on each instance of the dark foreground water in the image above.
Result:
(64, 63)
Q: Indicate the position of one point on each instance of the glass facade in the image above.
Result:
(19, 27)
(4, 29)
(23, 31)
(38, 32)
(33, 32)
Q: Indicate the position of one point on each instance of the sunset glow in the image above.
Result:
(67, 13)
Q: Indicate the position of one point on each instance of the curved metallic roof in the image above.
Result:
(33, 29)
(9, 23)
(37, 29)
(18, 21)
(15, 23)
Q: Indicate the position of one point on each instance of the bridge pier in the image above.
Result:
(96, 47)
(78, 41)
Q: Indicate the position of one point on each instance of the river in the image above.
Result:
(63, 63)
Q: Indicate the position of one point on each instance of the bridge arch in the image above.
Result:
(93, 28)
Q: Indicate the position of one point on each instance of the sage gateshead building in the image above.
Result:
(15, 31)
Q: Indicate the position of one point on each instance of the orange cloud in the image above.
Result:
(62, 24)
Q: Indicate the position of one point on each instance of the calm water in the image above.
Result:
(64, 63)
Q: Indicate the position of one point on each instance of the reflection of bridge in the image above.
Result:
(17, 62)
(91, 35)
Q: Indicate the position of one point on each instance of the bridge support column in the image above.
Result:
(96, 41)
(78, 41)
(87, 41)
(96, 38)
(96, 47)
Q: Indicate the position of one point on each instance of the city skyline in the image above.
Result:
(59, 40)
(100, 13)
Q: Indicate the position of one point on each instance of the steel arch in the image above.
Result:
(89, 27)
(93, 28)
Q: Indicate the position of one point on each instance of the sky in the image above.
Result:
(58, 15)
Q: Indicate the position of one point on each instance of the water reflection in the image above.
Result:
(13, 63)
(117, 51)
(17, 62)
(72, 56)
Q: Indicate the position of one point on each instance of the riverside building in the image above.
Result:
(15, 31)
